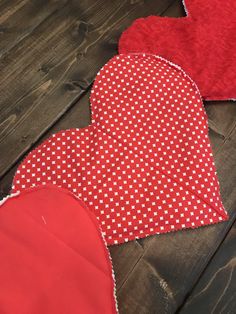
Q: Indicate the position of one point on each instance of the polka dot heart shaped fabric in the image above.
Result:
(144, 166)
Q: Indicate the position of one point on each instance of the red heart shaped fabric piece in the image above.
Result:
(144, 165)
(203, 43)
(53, 257)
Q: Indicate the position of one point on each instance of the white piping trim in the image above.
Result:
(185, 8)
(112, 269)
(6, 198)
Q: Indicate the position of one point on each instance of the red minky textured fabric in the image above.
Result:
(203, 43)
(53, 257)
(145, 164)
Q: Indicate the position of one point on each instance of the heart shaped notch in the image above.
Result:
(53, 257)
(144, 166)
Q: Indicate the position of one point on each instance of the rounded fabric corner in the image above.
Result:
(53, 257)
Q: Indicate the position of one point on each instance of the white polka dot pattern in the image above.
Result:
(145, 164)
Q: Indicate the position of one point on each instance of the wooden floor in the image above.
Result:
(50, 52)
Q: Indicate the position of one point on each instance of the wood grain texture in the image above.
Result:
(47, 67)
(78, 116)
(19, 18)
(216, 290)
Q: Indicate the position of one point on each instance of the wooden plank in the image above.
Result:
(221, 116)
(48, 70)
(76, 117)
(216, 290)
(19, 18)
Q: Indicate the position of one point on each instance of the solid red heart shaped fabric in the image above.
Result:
(53, 257)
(144, 166)
(203, 43)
